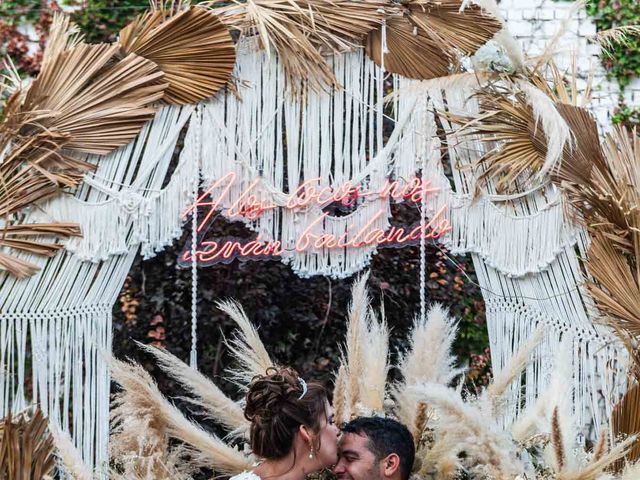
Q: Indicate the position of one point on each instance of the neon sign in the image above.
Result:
(249, 206)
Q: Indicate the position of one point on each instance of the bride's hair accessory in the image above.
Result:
(303, 384)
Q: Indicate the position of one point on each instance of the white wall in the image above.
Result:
(534, 22)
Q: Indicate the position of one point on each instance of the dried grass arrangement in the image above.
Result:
(600, 181)
(397, 36)
(93, 99)
(455, 434)
(303, 32)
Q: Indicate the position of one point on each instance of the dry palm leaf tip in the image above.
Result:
(93, 99)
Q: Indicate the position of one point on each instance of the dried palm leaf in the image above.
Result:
(144, 399)
(302, 32)
(407, 47)
(222, 409)
(26, 447)
(616, 290)
(423, 39)
(526, 134)
(443, 20)
(506, 122)
(83, 101)
(192, 48)
(625, 421)
(562, 87)
(99, 104)
(245, 346)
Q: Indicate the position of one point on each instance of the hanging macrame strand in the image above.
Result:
(193, 358)
(423, 242)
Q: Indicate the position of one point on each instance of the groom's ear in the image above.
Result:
(390, 465)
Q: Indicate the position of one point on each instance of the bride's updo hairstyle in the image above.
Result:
(277, 404)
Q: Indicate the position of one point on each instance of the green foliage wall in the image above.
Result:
(621, 60)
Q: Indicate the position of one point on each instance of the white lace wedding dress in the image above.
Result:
(246, 476)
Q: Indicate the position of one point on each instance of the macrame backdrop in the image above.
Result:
(524, 251)
(56, 325)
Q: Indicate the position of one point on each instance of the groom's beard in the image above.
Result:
(372, 474)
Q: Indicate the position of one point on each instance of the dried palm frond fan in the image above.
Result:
(82, 102)
(26, 447)
(92, 99)
(303, 32)
(191, 47)
(453, 434)
(423, 37)
(625, 421)
(524, 130)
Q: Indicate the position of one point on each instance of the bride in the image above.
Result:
(292, 427)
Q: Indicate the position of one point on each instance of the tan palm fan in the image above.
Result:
(26, 447)
(423, 39)
(83, 101)
(517, 145)
(625, 421)
(304, 32)
(192, 47)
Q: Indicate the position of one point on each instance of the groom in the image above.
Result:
(373, 448)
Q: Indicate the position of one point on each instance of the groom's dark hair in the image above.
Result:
(386, 436)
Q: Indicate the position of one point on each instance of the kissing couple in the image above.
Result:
(294, 434)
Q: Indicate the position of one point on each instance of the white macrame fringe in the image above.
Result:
(65, 308)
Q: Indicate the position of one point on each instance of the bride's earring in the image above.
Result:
(311, 455)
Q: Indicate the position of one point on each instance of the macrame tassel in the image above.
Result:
(596, 366)
(70, 377)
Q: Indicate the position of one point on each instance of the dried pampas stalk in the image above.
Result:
(464, 428)
(534, 419)
(420, 422)
(601, 447)
(353, 357)
(245, 346)
(596, 468)
(427, 359)
(192, 48)
(616, 35)
(223, 410)
(376, 364)
(144, 398)
(340, 397)
(556, 441)
(69, 455)
(502, 380)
